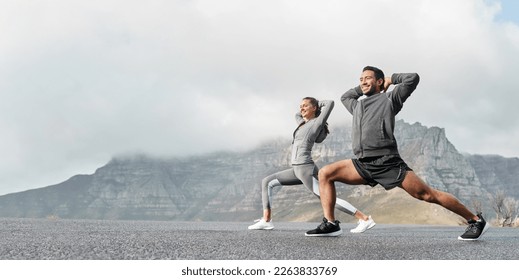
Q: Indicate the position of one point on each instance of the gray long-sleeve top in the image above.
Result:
(306, 133)
(374, 116)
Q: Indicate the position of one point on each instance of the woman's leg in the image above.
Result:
(286, 177)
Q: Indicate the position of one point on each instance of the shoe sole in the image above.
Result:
(487, 226)
(267, 228)
(331, 234)
(370, 227)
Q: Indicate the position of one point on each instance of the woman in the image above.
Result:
(312, 128)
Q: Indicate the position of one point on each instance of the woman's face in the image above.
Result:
(307, 109)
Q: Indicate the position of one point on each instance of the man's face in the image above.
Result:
(368, 83)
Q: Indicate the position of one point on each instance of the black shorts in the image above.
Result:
(388, 171)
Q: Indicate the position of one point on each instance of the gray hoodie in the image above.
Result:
(306, 133)
(374, 116)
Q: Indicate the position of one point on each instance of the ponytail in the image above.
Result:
(322, 134)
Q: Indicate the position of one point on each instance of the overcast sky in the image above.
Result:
(83, 81)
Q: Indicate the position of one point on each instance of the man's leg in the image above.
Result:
(308, 174)
(342, 171)
(418, 189)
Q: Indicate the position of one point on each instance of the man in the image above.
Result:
(378, 160)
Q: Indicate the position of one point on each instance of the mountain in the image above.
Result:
(225, 186)
(497, 173)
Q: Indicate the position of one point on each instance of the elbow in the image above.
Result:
(326, 103)
(415, 78)
(411, 80)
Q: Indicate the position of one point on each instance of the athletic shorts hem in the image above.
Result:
(389, 171)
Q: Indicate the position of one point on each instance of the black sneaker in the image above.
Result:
(475, 229)
(326, 229)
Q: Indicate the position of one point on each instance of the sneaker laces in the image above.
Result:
(473, 227)
(328, 223)
(322, 226)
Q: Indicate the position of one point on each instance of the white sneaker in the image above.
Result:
(262, 224)
(364, 225)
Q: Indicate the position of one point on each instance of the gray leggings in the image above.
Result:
(305, 174)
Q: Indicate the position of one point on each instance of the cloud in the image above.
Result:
(83, 81)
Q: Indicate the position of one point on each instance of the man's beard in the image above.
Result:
(372, 90)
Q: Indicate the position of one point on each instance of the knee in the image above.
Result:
(265, 182)
(427, 196)
(324, 174)
(418, 189)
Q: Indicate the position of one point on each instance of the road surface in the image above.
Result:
(51, 239)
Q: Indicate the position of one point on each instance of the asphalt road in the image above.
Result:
(47, 239)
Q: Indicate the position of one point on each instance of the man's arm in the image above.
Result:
(405, 83)
(349, 98)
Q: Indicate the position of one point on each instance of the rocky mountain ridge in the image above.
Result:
(225, 186)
